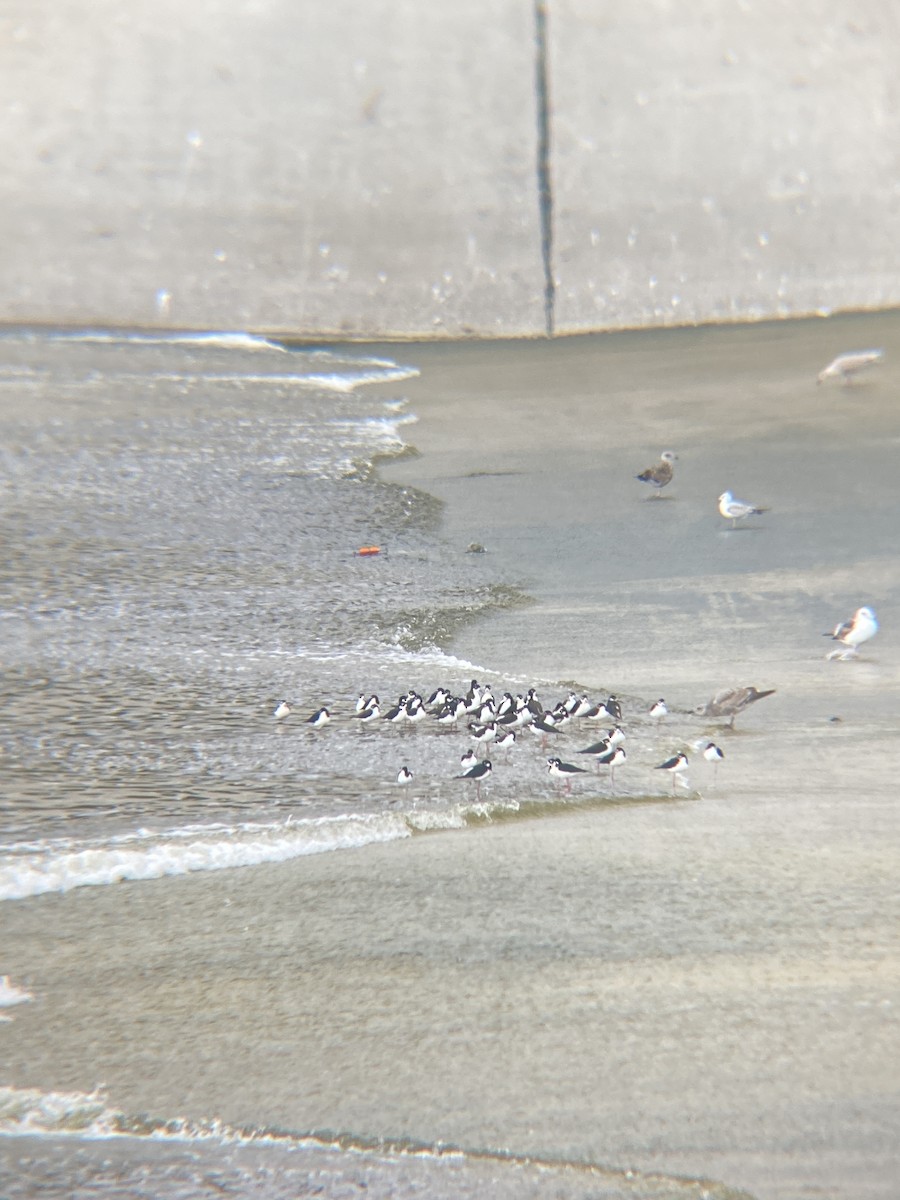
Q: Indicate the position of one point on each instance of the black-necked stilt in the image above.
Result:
(482, 734)
(597, 751)
(614, 757)
(319, 718)
(599, 712)
(372, 713)
(674, 765)
(505, 740)
(404, 776)
(283, 710)
(564, 771)
(713, 755)
(615, 708)
(476, 773)
(659, 710)
(544, 725)
(398, 713)
(861, 626)
(451, 712)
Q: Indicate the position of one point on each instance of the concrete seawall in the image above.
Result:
(487, 168)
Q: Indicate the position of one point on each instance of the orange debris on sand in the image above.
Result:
(364, 551)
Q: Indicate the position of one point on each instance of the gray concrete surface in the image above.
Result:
(332, 169)
(723, 162)
(372, 169)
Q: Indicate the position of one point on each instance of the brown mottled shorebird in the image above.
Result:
(730, 701)
(660, 473)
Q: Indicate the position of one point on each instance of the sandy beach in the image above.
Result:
(701, 987)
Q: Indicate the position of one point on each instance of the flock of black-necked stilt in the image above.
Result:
(492, 723)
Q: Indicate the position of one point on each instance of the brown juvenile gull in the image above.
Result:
(730, 701)
(845, 366)
(660, 473)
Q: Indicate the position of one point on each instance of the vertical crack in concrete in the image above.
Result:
(544, 179)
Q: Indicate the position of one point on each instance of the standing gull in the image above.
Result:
(861, 626)
(736, 510)
(660, 473)
(845, 366)
(730, 701)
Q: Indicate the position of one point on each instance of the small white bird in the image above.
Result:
(404, 776)
(861, 626)
(845, 366)
(283, 710)
(736, 510)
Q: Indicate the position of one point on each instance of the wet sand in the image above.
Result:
(707, 986)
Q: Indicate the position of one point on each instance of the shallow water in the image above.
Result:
(697, 985)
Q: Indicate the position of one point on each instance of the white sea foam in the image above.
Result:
(88, 1115)
(33, 869)
(227, 339)
(335, 381)
(11, 995)
(61, 866)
